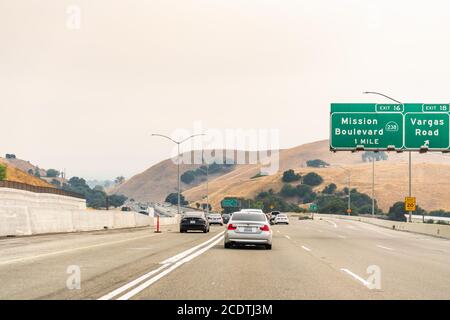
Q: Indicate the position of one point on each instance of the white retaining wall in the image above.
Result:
(28, 213)
(423, 228)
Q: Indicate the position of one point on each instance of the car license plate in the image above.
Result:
(192, 221)
(248, 229)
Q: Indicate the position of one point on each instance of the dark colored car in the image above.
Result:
(226, 217)
(194, 221)
(273, 215)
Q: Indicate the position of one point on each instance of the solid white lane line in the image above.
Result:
(332, 222)
(383, 247)
(132, 283)
(342, 237)
(149, 282)
(375, 229)
(364, 282)
(75, 249)
(165, 264)
(306, 248)
(288, 237)
(189, 251)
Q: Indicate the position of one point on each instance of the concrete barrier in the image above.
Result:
(27, 213)
(436, 230)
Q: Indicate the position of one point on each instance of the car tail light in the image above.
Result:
(265, 228)
(231, 227)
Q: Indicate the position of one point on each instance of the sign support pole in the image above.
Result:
(410, 212)
(349, 191)
(373, 186)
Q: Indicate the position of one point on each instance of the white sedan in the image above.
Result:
(281, 218)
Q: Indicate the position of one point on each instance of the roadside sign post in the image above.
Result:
(410, 206)
(313, 208)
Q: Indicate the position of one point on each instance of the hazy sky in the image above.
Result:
(87, 99)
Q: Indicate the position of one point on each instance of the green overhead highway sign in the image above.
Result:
(427, 130)
(230, 203)
(377, 127)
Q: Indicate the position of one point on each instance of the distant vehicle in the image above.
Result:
(215, 218)
(273, 215)
(251, 211)
(194, 221)
(226, 217)
(248, 228)
(281, 218)
(125, 209)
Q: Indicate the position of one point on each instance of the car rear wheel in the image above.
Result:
(227, 245)
(205, 230)
(268, 247)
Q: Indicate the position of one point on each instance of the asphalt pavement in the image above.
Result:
(321, 259)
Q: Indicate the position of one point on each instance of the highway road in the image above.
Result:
(320, 259)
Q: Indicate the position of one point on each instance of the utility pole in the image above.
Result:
(178, 161)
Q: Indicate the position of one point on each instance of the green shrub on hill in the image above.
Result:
(2, 172)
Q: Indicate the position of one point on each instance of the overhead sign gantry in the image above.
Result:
(388, 127)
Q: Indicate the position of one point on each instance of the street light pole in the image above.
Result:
(207, 181)
(349, 195)
(373, 164)
(178, 179)
(178, 161)
(349, 188)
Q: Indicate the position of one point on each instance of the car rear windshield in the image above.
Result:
(248, 217)
(197, 216)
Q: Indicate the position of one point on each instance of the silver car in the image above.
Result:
(248, 228)
(215, 218)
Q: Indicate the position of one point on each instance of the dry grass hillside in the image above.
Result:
(155, 183)
(431, 173)
(14, 174)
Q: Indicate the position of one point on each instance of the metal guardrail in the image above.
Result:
(36, 189)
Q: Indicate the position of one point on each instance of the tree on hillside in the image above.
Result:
(173, 199)
(288, 191)
(312, 179)
(10, 156)
(303, 190)
(37, 173)
(52, 173)
(290, 176)
(56, 183)
(119, 180)
(397, 211)
(330, 189)
(2, 172)
(117, 200)
(188, 177)
(317, 163)
(332, 205)
(30, 172)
